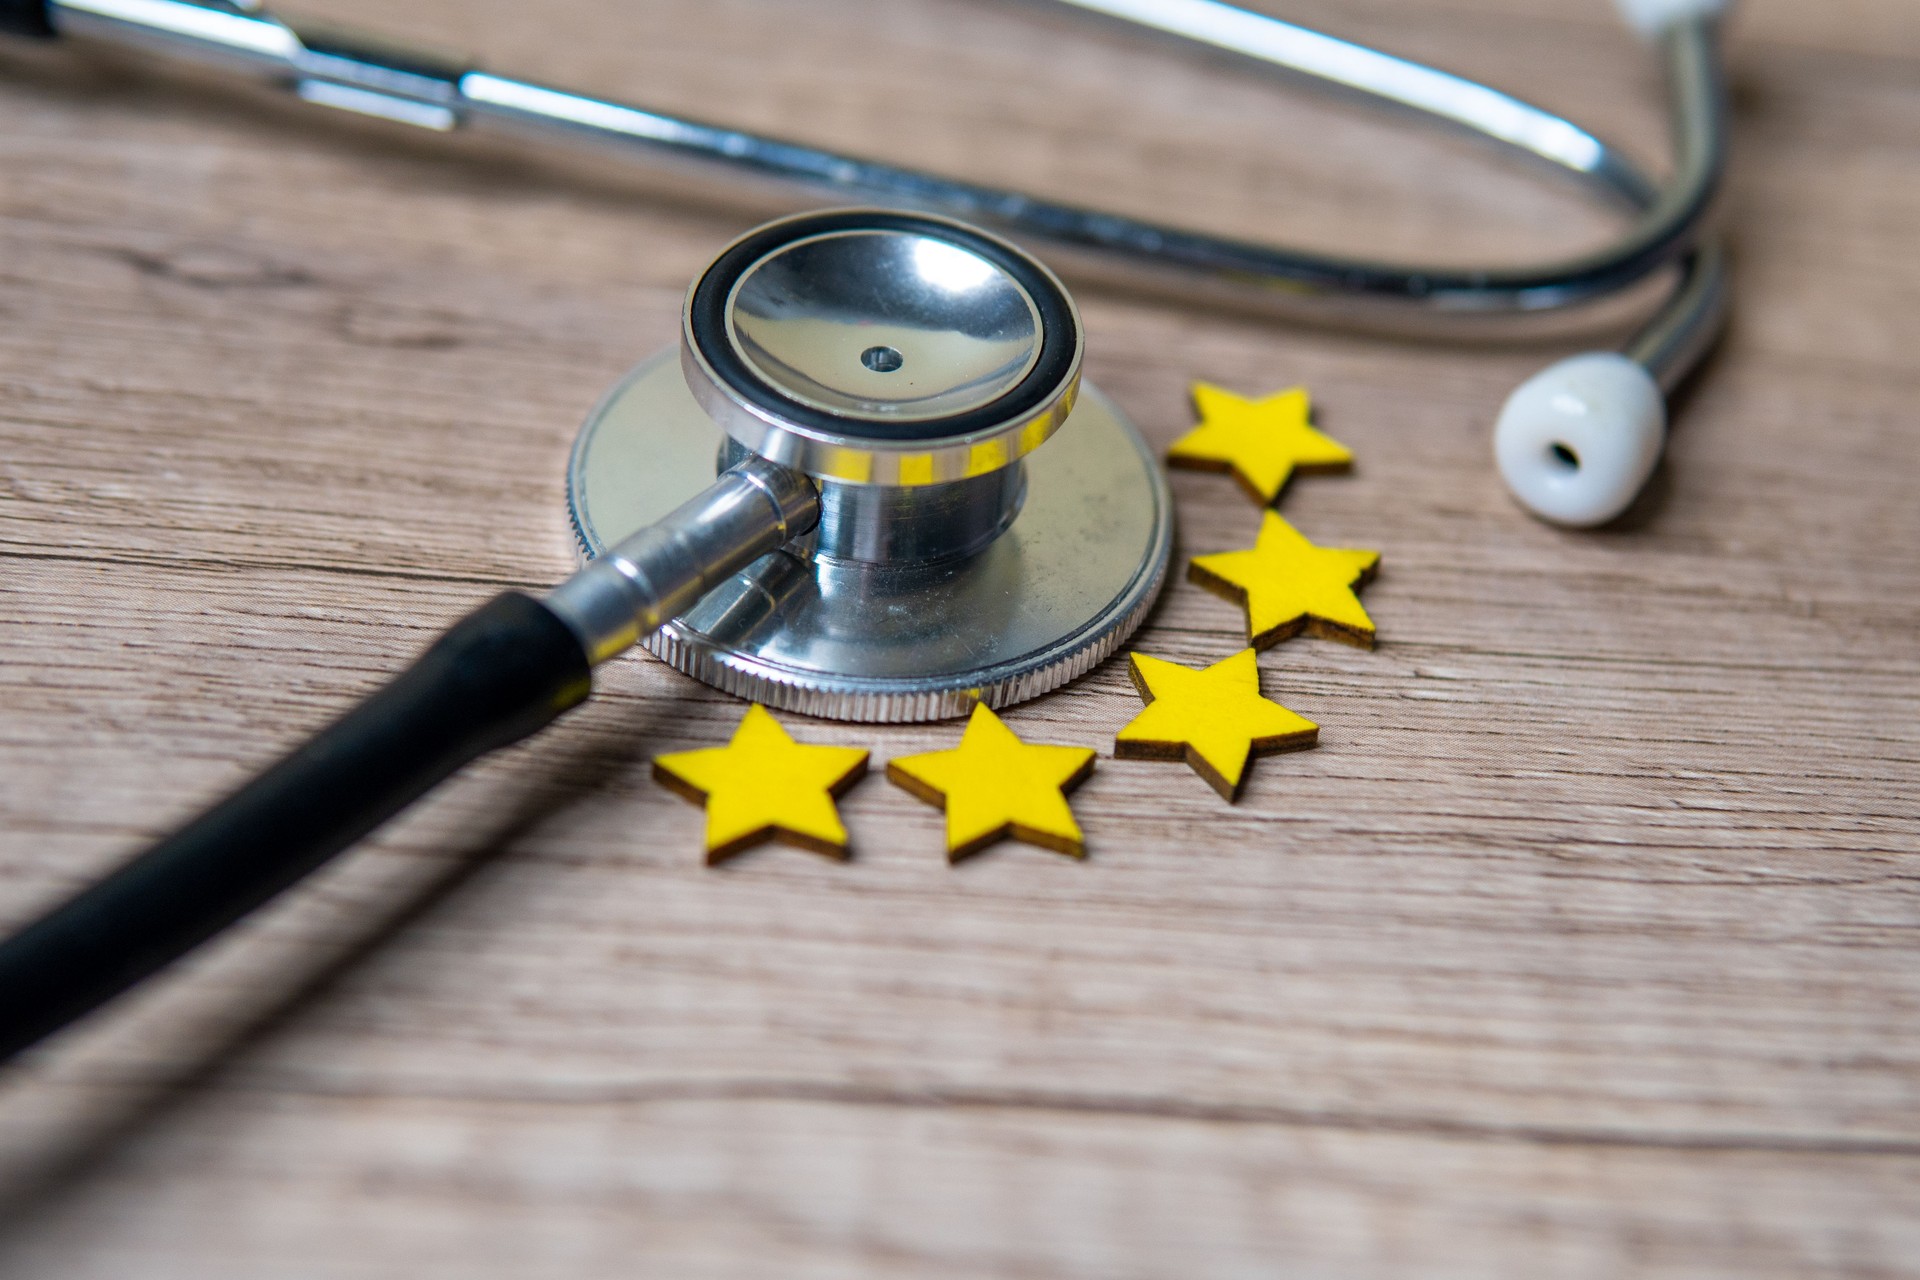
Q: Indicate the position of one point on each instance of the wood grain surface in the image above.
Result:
(1586, 944)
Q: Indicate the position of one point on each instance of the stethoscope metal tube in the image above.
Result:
(1672, 344)
(1669, 222)
(661, 571)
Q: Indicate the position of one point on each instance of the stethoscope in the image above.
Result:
(870, 483)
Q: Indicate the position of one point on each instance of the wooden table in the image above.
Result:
(1587, 944)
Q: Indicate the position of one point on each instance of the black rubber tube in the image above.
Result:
(25, 17)
(504, 671)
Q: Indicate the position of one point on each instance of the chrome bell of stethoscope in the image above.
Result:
(911, 368)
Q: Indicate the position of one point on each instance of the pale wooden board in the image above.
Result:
(1586, 945)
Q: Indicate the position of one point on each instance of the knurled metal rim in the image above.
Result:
(843, 700)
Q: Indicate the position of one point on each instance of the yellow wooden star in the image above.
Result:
(1289, 585)
(1261, 442)
(765, 786)
(1214, 719)
(994, 786)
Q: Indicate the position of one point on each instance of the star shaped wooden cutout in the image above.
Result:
(1262, 443)
(1289, 585)
(1214, 719)
(765, 786)
(994, 786)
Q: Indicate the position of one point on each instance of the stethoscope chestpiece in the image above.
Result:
(912, 367)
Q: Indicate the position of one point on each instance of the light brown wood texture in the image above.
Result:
(1586, 944)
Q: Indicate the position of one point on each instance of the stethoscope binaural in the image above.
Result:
(1575, 443)
(871, 486)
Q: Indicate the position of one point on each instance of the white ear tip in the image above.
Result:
(1577, 440)
(1652, 17)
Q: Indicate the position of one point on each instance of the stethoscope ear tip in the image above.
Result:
(1577, 441)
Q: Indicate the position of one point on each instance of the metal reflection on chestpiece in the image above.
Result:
(913, 368)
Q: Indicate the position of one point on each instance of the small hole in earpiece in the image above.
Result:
(1563, 457)
(882, 359)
